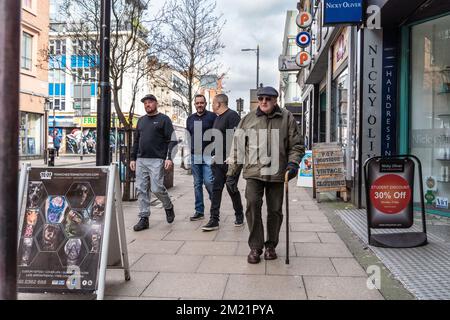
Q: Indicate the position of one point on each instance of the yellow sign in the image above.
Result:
(91, 122)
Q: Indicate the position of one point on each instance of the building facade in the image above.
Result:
(383, 90)
(33, 77)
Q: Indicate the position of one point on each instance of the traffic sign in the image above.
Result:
(304, 20)
(303, 39)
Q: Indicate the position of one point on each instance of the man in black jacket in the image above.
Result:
(227, 120)
(153, 149)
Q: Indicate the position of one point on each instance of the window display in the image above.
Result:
(430, 108)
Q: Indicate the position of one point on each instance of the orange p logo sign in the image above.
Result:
(303, 59)
(304, 19)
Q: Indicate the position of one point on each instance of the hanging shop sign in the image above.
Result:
(342, 12)
(303, 39)
(304, 20)
(287, 63)
(303, 59)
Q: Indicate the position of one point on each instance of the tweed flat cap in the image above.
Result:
(267, 91)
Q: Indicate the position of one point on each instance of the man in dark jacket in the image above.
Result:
(225, 123)
(197, 123)
(267, 144)
(153, 150)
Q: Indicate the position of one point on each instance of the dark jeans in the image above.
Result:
(254, 194)
(57, 151)
(220, 177)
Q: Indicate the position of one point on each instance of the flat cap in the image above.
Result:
(149, 97)
(267, 91)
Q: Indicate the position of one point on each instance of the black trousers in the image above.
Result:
(220, 177)
(254, 194)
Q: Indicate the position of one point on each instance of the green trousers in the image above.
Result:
(254, 194)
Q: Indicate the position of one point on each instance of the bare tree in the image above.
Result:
(135, 40)
(193, 34)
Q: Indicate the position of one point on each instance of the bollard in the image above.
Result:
(51, 157)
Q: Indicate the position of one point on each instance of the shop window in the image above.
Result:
(430, 108)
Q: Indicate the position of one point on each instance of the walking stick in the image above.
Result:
(286, 187)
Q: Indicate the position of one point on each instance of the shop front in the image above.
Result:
(425, 105)
(30, 135)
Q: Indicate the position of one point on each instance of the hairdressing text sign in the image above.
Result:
(62, 230)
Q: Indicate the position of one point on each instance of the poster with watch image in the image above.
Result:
(61, 230)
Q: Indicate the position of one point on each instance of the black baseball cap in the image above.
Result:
(149, 97)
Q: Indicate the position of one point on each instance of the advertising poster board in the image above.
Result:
(391, 186)
(65, 229)
(305, 172)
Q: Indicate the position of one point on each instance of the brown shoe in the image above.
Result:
(270, 254)
(254, 256)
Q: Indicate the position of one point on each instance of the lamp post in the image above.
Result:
(257, 63)
(46, 109)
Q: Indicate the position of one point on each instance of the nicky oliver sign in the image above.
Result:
(343, 12)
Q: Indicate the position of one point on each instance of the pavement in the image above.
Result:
(180, 261)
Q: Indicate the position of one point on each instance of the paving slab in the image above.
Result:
(322, 250)
(232, 235)
(348, 267)
(329, 237)
(230, 264)
(311, 227)
(339, 288)
(301, 266)
(299, 237)
(155, 247)
(255, 287)
(196, 235)
(117, 286)
(187, 286)
(167, 263)
(203, 248)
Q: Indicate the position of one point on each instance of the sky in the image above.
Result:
(249, 23)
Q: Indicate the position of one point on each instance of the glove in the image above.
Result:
(232, 184)
(292, 168)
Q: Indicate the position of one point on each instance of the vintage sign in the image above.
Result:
(328, 163)
(343, 12)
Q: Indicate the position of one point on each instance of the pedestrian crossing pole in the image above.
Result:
(10, 11)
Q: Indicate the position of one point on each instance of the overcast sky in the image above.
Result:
(249, 23)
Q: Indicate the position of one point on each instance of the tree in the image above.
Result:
(136, 38)
(193, 43)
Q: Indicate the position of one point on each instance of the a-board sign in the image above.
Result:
(305, 171)
(391, 189)
(65, 229)
(328, 164)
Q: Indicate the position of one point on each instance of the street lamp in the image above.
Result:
(257, 63)
(46, 109)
